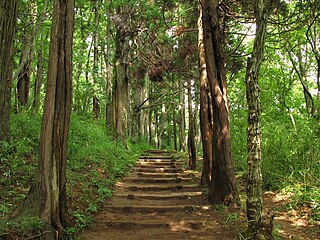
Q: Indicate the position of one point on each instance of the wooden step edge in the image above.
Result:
(167, 163)
(180, 195)
(156, 157)
(160, 160)
(157, 187)
(182, 225)
(160, 151)
(157, 170)
(164, 166)
(163, 175)
(158, 180)
(150, 208)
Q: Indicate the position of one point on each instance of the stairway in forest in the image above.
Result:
(157, 200)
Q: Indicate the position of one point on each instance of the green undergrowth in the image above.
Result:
(290, 155)
(95, 163)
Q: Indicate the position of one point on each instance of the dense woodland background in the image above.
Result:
(136, 85)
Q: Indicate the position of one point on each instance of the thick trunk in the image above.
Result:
(223, 188)
(121, 87)
(38, 79)
(8, 16)
(206, 120)
(254, 177)
(47, 197)
(191, 143)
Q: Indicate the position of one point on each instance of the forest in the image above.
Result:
(89, 86)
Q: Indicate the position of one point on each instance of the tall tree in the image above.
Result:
(8, 17)
(23, 84)
(206, 120)
(254, 177)
(120, 98)
(47, 196)
(95, 100)
(223, 186)
(191, 132)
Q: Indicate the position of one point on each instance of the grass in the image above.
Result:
(95, 163)
(290, 155)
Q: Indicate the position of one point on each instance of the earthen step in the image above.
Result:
(173, 195)
(157, 187)
(144, 163)
(163, 175)
(158, 180)
(172, 225)
(158, 151)
(156, 157)
(167, 166)
(161, 160)
(158, 170)
(161, 209)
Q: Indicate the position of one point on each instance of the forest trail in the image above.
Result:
(158, 200)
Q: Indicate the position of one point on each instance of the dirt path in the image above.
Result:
(158, 200)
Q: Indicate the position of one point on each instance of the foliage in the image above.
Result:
(95, 163)
(18, 160)
(25, 228)
(290, 144)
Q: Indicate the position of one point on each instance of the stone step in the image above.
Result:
(158, 180)
(159, 209)
(154, 196)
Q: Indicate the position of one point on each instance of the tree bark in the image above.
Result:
(191, 143)
(23, 84)
(174, 118)
(254, 177)
(181, 118)
(121, 91)
(47, 197)
(223, 187)
(39, 78)
(206, 115)
(8, 17)
(95, 100)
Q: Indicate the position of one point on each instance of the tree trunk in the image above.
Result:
(223, 188)
(47, 197)
(254, 177)
(95, 100)
(8, 17)
(206, 115)
(39, 78)
(121, 91)
(191, 143)
(181, 117)
(23, 84)
(174, 118)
